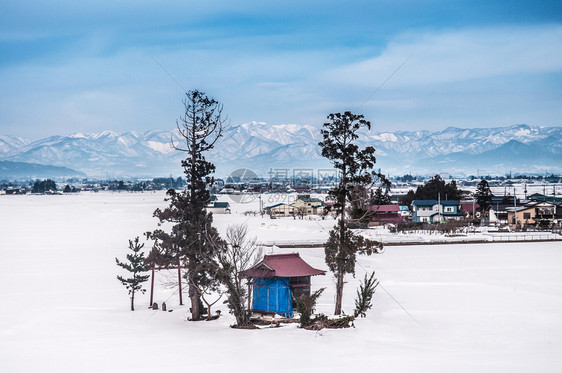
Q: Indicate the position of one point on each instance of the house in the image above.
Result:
(505, 200)
(280, 210)
(384, 214)
(276, 279)
(498, 213)
(533, 212)
(306, 205)
(219, 207)
(432, 211)
(405, 212)
(470, 209)
(542, 197)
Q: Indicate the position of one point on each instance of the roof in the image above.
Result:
(431, 202)
(469, 206)
(223, 205)
(388, 218)
(309, 199)
(385, 208)
(277, 205)
(500, 207)
(282, 265)
(518, 208)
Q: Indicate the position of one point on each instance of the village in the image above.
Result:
(517, 204)
(515, 209)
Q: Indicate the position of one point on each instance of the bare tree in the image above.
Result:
(241, 253)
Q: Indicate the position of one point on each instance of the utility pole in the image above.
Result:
(439, 207)
(515, 207)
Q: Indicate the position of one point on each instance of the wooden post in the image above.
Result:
(152, 286)
(179, 281)
(249, 295)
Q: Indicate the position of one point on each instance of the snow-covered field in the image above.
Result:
(468, 308)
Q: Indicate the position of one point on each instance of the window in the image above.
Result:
(526, 215)
(449, 209)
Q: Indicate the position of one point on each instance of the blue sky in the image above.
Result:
(68, 66)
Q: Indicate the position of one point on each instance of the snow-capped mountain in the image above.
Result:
(11, 143)
(269, 148)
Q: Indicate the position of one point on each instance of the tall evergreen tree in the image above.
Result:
(136, 265)
(483, 195)
(192, 241)
(355, 167)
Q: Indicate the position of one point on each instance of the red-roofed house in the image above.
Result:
(384, 214)
(470, 209)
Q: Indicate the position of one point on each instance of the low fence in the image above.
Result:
(515, 237)
(394, 240)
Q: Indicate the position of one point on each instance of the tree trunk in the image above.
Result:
(342, 249)
(194, 296)
(133, 301)
(339, 292)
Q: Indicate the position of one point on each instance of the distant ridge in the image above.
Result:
(21, 170)
(270, 149)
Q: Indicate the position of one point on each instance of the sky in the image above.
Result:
(90, 66)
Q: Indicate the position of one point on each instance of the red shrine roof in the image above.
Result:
(282, 265)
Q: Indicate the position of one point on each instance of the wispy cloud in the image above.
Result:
(450, 56)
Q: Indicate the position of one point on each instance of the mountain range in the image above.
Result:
(268, 149)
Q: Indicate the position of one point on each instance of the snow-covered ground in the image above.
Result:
(466, 308)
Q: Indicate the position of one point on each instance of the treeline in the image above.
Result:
(552, 178)
(436, 188)
(44, 186)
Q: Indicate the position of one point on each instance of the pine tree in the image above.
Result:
(365, 295)
(305, 305)
(355, 166)
(192, 241)
(483, 195)
(136, 265)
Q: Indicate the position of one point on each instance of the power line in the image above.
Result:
(398, 303)
(170, 75)
(390, 295)
(386, 80)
